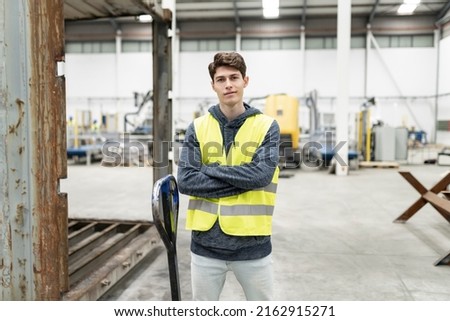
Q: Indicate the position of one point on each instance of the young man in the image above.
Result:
(229, 167)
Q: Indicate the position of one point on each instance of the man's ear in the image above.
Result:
(246, 79)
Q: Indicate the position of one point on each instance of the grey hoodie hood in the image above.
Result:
(237, 122)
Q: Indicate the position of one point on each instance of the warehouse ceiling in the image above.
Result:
(198, 10)
(217, 9)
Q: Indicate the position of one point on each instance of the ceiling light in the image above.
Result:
(271, 8)
(406, 8)
(144, 18)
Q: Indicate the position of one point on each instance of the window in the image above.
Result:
(405, 41)
(207, 45)
(320, 43)
(423, 41)
(358, 42)
(289, 43)
(137, 46)
(90, 47)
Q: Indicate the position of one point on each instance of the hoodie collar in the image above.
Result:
(223, 120)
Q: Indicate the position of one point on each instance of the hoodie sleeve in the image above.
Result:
(256, 174)
(191, 180)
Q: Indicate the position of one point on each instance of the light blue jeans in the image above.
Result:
(208, 277)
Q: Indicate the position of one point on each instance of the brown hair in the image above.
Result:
(227, 59)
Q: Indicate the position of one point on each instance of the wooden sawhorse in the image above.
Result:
(429, 196)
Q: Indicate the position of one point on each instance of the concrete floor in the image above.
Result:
(333, 237)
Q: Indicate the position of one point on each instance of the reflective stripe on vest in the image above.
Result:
(249, 213)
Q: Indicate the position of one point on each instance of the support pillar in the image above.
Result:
(33, 214)
(343, 67)
(162, 100)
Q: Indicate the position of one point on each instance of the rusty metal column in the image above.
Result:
(162, 103)
(33, 214)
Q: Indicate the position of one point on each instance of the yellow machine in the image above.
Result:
(365, 134)
(284, 109)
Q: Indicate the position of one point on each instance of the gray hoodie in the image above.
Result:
(213, 181)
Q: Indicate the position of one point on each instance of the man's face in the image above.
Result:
(229, 85)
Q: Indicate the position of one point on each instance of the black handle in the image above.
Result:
(165, 203)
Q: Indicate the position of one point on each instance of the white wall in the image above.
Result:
(105, 83)
(321, 72)
(102, 82)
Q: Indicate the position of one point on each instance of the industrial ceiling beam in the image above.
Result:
(372, 13)
(442, 13)
(155, 10)
(237, 20)
(305, 6)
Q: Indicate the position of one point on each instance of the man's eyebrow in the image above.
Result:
(224, 76)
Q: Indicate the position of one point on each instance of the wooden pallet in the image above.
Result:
(378, 164)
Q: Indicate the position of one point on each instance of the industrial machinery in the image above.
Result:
(140, 117)
(319, 147)
(135, 146)
(378, 141)
(365, 130)
(84, 142)
(85, 147)
(284, 109)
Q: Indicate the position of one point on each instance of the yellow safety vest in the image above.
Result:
(246, 214)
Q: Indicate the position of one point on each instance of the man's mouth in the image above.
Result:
(230, 93)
